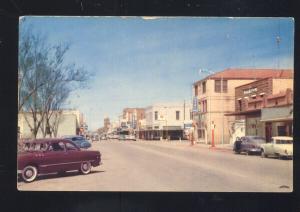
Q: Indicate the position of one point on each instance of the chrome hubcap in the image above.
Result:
(29, 173)
(85, 166)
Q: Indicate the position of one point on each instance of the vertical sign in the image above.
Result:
(195, 104)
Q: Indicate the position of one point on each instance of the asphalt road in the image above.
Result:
(175, 166)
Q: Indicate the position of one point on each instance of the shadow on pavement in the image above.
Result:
(60, 175)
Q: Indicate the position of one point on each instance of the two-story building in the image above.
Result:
(165, 121)
(215, 96)
(132, 117)
(266, 105)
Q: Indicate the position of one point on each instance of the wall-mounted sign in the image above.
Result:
(250, 90)
(195, 104)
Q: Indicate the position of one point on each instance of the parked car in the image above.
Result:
(280, 146)
(80, 141)
(95, 137)
(248, 144)
(103, 137)
(127, 137)
(44, 156)
(113, 136)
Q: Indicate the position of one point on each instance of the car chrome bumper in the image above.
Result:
(255, 150)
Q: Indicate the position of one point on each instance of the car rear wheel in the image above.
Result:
(29, 173)
(85, 167)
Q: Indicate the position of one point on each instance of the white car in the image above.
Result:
(280, 146)
(130, 137)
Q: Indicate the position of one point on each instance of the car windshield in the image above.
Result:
(257, 139)
(284, 141)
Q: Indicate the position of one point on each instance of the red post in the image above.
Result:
(212, 137)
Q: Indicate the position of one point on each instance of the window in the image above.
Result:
(224, 86)
(177, 115)
(191, 115)
(57, 147)
(204, 106)
(196, 90)
(281, 130)
(155, 115)
(201, 133)
(239, 105)
(204, 87)
(70, 147)
(218, 84)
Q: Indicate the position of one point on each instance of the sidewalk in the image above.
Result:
(219, 147)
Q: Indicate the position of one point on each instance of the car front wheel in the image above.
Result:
(29, 174)
(85, 167)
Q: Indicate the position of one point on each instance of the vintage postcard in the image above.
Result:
(176, 104)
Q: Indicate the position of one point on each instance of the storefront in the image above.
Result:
(278, 121)
(168, 132)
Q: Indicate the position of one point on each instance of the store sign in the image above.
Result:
(195, 104)
(250, 90)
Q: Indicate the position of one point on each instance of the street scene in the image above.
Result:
(177, 166)
(155, 104)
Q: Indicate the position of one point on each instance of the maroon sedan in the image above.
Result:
(44, 156)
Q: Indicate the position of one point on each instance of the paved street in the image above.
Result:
(172, 166)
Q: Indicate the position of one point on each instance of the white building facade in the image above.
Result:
(166, 120)
(67, 124)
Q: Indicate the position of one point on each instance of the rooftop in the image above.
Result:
(247, 73)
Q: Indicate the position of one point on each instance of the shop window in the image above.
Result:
(281, 130)
(201, 133)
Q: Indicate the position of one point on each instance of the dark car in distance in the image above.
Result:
(248, 144)
(43, 156)
(80, 141)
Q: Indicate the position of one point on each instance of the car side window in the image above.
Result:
(44, 147)
(70, 147)
(60, 146)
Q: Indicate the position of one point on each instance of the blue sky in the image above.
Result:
(136, 62)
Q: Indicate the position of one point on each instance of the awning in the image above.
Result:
(244, 113)
(277, 114)
(172, 128)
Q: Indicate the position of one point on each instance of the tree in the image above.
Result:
(45, 81)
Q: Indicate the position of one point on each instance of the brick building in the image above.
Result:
(266, 105)
(133, 116)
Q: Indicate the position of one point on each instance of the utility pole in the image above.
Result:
(184, 110)
(222, 99)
